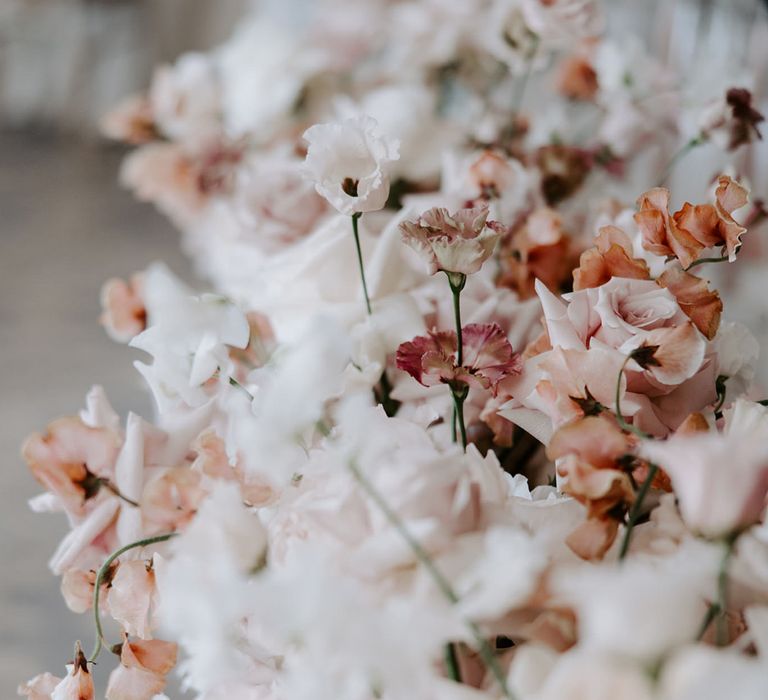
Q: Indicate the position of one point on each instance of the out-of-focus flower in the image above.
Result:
(124, 314)
(185, 98)
(563, 22)
(687, 233)
(721, 479)
(131, 121)
(540, 249)
(488, 357)
(460, 242)
(142, 670)
(275, 202)
(40, 687)
(577, 78)
(731, 121)
(348, 162)
(563, 171)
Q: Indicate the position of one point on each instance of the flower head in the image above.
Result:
(488, 357)
(732, 120)
(348, 163)
(460, 242)
(687, 233)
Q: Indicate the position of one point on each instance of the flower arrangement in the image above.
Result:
(457, 421)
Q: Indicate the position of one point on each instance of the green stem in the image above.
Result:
(233, 382)
(721, 622)
(459, 396)
(355, 217)
(457, 280)
(486, 652)
(636, 509)
(107, 484)
(703, 261)
(677, 157)
(452, 662)
(100, 577)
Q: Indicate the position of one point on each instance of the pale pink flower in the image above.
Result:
(721, 479)
(170, 500)
(131, 121)
(123, 312)
(142, 670)
(40, 687)
(348, 163)
(77, 588)
(71, 459)
(460, 242)
(488, 357)
(131, 596)
(274, 201)
(78, 685)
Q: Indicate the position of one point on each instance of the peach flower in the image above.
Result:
(687, 233)
(611, 256)
(732, 120)
(577, 78)
(72, 460)
(460, 242)
(142, 670)
(589, 453)
(78, 685)
(694, 297)
(131, 121)
(123, 312)
(488, 357)
(171, 500)
(131, 596)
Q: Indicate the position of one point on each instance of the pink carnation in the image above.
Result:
(488, 357)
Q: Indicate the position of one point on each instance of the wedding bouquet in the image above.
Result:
(461, 419)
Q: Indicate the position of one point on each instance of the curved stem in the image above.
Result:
(677, 157)
(703, 261)
(233, 382)
(636, 509)
(356, 233)
(443, 585)
(457, 280)
(100, 577)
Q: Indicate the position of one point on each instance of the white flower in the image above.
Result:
(348, 162)
(188, 339)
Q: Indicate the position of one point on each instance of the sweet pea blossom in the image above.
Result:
(124, 315)
(78, 684)
(460, 242)
(142, 670)
(687, 233)
(348, 162)
(488, 357)
(721, 479)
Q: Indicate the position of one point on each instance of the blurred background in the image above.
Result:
(66, 226)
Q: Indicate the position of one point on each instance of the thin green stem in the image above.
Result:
(486, 652)
(721, 622)
(233, 382)
(712, 611)
(107, 484)
(459, 396)
(451, 661)
(356, 233)
(522, 84)
(637, 508)
(457, 280)
(677, 157)
(100, 577)
(704, 261)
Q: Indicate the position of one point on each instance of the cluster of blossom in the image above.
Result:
(453, 425)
